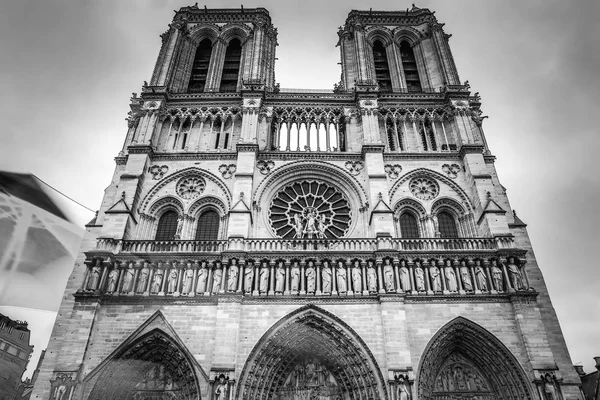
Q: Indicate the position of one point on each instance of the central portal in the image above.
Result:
(311, 354)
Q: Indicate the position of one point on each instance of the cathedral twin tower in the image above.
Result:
(258, 243)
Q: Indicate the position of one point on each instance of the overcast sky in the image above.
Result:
(68, 70)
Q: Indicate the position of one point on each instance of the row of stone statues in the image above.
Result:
(306, 277)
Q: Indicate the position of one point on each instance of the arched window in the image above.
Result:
(382, 69)
(409, 65)
(167, 226)
(447, 225)
(409, 229)
(231, 66)
(208, 226)
(200, 66)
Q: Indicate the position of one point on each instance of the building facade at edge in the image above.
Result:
(263, 243)
(15, 351)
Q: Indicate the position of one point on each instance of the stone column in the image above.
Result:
(412, 276)
(302, 278)
(272, 278)
(349, 282)
(486, 266)
(242, 266)
(318, 276)
(287, 278)
(380, 277)
(256, 292)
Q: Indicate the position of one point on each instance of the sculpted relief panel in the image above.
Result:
(460, 379)
(310, 379)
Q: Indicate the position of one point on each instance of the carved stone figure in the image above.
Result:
(295, 274)
(280, 277)
(436, 281)
(388, 275)
(515, 274)
(481, 278)
(233, 276)
(188, 280)
(156, 285)
(549, 387)
(264, 277)
(311, 228)
(402, 391)
(310, 277)
(143, 279)
(465, 277)
(371, 278)
(298, 226)
(451, 283)
(172, 282)
(326, 277)
(356, 277)
(128, 280)
(202, 277)
(419, 277)
(221, 388)
(404, 276)
(217, 278)
(94, 278)
(341, 278)
(179, 227)
(321, 226)
(112, 280)
(497, 277)
(248, 278)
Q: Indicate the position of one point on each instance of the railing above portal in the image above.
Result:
(114, 246)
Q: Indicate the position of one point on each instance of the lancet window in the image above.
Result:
(382, 69)
(208, 226)
(231, 67)
(200, 66)
(409, 65)
(409, 227)
(447, 225)
(307, 129)
(167, 226)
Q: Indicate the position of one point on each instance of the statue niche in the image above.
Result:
(310, 379)
(460, 379)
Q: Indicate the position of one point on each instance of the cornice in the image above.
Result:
(446, 156)
(303, 155)
(470, 149)
(194, 156)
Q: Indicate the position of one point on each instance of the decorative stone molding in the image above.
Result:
(392, 170)
(424, 188)
(265, 166)
(63, 386)
(190, 187)
(451, 170)
(354, 167)
(158, 171)
(227, 170)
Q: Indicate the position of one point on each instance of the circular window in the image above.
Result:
(424, 188)
(190, 187)
(310, 209)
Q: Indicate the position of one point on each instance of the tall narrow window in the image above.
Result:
(409, 65)
(200, 66)
(447, 225)
(231, 67)
(382, 69)
(391, 134)
(208, 226)
(167, 226)
(409, 229)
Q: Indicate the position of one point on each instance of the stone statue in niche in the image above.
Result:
(94, 276)
(480, 276)
(264, 277)
(402, 387)
(388, 276)
(371, 277)
(497, 277)
(62, 387)
(465, 277)
(217, 278)
(172, 281)
(128, 280)
(404, 276)
(188, 280)
(310, 277)
(295, 275)
(321, 227)
(515, 274)
(311, 220)
(550, 387)
(179, 227)
(143, 279)
(248, 278)
(280, 277)
(342, 283)
(356, 276)
(326, 277)
(221, 388)
(436, 280)
(157, 281)
(298, 226)
(419, 277)
(451, 283)
(112, 280)
(233, 276)
(202, 277)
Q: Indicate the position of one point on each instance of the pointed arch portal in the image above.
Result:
(151, 368)
(314, 355)
(465, 361)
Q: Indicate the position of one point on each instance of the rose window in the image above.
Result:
(190, 187)
(309, 210)
(424, 188)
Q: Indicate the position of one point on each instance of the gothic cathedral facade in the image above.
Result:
(258, 243)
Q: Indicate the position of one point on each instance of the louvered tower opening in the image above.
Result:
(200, 67)
(231, 67)
(382, 69)
(409, 64)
